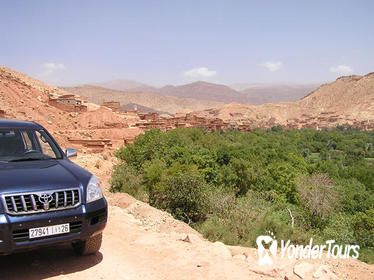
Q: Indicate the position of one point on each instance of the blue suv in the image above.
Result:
(44, 197)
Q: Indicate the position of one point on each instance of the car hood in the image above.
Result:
(40, 175)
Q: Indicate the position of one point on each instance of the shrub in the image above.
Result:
(125, 179)
(339, 229)
(363, 225)
(185, 194)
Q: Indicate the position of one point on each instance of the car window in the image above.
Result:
(27, 144)
(26, 140)
(45, 145)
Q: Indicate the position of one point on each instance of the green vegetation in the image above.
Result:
(234, 186)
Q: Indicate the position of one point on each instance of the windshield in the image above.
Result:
(21, 144)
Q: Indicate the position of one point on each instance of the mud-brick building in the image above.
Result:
(153, 117)
(68, 103)
(114, 105)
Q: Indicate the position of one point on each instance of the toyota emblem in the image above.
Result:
(45, 199)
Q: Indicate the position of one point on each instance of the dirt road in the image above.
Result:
(132, 249)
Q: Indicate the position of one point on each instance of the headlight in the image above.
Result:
(93, 190)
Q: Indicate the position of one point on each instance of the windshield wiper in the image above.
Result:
(25, 159)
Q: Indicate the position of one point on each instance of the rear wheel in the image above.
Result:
(88, 247)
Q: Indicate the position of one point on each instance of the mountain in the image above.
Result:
(126, 85)
(242, 93)
(349, 101)
(345, 93)
(269, 93)
(204, 91)
(157, 102)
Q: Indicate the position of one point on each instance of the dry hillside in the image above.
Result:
(25, 98)
(348, 101)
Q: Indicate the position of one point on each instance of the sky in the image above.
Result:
(162, 42)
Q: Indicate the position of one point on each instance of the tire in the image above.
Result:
(88, 247)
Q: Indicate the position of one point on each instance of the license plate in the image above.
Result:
(47, 231)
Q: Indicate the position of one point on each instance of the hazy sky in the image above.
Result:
(159, 42)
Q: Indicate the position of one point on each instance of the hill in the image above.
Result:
(26, 98)
(206, 91)
(348, 101)
(256, 94)
(269, 93)
(352, 93)
(126, 85)
(151, 100)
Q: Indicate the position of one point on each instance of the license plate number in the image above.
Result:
(47, 231)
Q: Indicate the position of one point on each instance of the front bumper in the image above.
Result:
(85, 221)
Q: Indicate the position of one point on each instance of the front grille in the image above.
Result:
(23, 234)
(36, 202)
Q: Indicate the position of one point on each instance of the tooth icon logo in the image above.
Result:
(263, 254)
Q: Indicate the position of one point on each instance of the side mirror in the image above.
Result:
(70, 152)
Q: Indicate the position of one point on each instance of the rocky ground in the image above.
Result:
(141, 242)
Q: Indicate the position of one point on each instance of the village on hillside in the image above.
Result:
(105, 126)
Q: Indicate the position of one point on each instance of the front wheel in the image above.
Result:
(88, 247)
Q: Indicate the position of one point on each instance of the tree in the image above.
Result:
(318, 194)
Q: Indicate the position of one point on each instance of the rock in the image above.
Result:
(239, 257)
(324, 273)
(290, 276)
(220, 249)
(269, 273)
(190, 238)
(184, 237)
(303, 269)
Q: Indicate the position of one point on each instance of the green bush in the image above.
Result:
(185, 194)
(363, 225)
(339, 229)
(125, 179)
